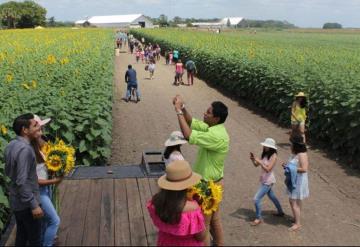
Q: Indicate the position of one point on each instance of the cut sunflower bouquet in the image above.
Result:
(208, 194)
(60, 161)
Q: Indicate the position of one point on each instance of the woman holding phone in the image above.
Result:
(267, 178)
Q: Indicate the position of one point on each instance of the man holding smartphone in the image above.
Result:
(211, 137)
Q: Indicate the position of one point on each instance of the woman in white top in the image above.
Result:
(267, 178)
(172, 151)
(51, 220)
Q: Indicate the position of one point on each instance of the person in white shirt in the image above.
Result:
(172, 151)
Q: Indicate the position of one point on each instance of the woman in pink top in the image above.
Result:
(179, 71)
(267, 178)
(180, 222)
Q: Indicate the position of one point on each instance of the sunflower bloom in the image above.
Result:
(3, 130)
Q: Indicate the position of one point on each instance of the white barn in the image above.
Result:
(221, 24)
(120, 21)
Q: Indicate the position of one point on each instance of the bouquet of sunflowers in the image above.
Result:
(59, 158)
(207, 194)
(60, 161)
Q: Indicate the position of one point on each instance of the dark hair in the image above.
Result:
(170, 149)
(303, 102)
(129, 66)
(169, 205)
(219, 110)
(37, 147)
(298, 145)
(268, 153)
(22, 121)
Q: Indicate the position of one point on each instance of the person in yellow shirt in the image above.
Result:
(298, 115)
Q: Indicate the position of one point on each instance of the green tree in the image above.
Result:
(22, 14)
(163, 20)
(10, 14)
(51, 22)
(332, 25)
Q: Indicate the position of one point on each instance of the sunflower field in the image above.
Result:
(64, 74)
(269, 68)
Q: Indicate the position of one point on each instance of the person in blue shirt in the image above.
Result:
(132, 84)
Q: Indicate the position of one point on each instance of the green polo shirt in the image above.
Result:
(213, 145)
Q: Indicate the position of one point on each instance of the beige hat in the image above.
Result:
(179, 176)
(176, 138)
(300, 94)
(270, 143)
(41, 122)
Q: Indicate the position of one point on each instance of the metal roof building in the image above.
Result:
(119, 21)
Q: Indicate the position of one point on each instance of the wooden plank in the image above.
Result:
(62, 189)
(122, 226)
(80, 204)
(67, 206)
(153, 186)
(136, 219)
(145, 196)
(92, 220)
(107, 223)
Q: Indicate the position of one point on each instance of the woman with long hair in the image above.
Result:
(51, 219)
(267, 178)
(180, 221)
(297, 183)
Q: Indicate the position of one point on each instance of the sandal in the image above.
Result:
(256, 222)
(294, 228)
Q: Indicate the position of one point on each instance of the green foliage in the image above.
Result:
(63, 74)
(22, 14)
(269, 68)
(332, 25)
(246, 23)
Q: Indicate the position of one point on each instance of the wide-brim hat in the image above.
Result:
(300, 94)
(176, 138)
(270, 143)
(41, 122)
(178, 176)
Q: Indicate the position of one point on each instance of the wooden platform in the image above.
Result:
(106, 212)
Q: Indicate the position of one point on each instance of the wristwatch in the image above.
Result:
(179, 112)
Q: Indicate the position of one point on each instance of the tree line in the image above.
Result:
(27, 14)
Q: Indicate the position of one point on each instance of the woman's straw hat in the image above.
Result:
(270, 143)
(179, 176)
(176, 138)
(300, 94)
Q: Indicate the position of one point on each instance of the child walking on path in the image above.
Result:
(298, 115)
(179, 71)
(151, 68)
(180, 221)
(267, 178)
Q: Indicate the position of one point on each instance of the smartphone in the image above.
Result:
(251, 154)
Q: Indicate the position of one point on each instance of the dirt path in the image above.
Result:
(331, 216)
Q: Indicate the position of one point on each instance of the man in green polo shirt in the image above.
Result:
(213, 141)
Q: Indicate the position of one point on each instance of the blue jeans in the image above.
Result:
(51, 220)
(263, 190)
(128, 91)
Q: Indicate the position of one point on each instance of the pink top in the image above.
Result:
(267, 178)
(179, 68)
(181, 234)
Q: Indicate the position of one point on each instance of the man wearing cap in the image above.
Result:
(20, 167)
(213, 140)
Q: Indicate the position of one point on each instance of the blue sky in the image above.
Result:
(303, 13)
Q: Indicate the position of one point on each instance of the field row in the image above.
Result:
(270, 67)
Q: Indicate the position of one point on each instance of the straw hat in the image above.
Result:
(179, 176)
(270, 143)
(176, 138)
(300, 94)
(41, 122)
